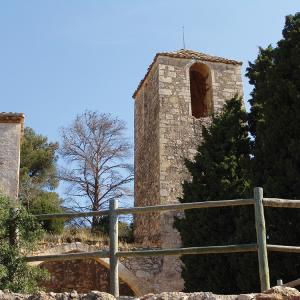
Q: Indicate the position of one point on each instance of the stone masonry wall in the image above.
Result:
(10, 136)
(80, 275)
(180, 133)
(147, 161)
(138, 275)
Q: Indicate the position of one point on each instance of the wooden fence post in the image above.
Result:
(113, 248)
(261, 239)
(13, 226)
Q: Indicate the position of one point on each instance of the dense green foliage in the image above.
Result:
(15, 273)
(46, 203)
(219, 171)
(274, 122)
(125, 229)
(37, 165)
(38, 174)
(103, 225)
(126, 232)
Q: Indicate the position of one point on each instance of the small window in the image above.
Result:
(200, 86)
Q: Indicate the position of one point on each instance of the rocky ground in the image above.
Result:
(275, 293)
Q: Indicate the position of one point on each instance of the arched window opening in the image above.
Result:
(201, 94)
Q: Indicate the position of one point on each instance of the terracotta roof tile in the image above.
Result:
(188, 54)
(10, 117)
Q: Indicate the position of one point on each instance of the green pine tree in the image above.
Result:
(275, 124)
(219, 172)
(37, 166)
(38, 175)
(46, 203)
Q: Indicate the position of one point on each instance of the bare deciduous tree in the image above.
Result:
(97, 153)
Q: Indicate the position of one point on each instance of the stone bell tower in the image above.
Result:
(177, 96)
(11, 129)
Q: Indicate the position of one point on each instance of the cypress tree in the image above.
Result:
(219, 171)
(275, 124)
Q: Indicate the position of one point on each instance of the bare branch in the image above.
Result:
(96, 151)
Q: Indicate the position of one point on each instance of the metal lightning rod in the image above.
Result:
(183, 40)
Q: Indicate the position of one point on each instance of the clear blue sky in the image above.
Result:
(58, 57)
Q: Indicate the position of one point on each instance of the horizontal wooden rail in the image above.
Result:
(72, 215)
(148, 209)
(284, 203)
(191, 250)
(268, 202)
(280, 248)
(184, 206)
(293, 283)
(157, 252)
(68, 256)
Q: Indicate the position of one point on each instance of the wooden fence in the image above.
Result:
(261, 247)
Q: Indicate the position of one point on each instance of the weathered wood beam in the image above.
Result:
(72, 215)
(191, 250)
(293, 283)
(68, 256)
(280, 248)
(261, 240)
(177, 251)
(113, 248)
(148, 209)
(184, 206)
(285, 203)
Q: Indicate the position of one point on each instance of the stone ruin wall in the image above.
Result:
(81, 275)
(11, 126)
(138, 275)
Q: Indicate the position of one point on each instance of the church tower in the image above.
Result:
(178, 95)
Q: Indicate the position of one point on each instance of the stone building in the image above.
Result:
(11, 128)
(177, 96)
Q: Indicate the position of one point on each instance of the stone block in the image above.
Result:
(142, 274)
(165, 79)
(166, 92)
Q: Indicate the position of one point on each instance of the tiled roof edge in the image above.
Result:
(186, 54)
(10, 117)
